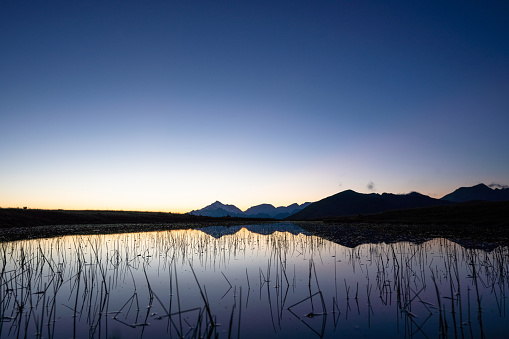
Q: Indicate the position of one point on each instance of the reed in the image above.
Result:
(103, 283)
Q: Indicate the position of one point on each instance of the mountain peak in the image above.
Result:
(348, 193)
(217, 203)
(480, 186)
(477, 192)
(218, 209)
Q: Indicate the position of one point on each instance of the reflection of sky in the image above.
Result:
(173, 106)
(246, 259)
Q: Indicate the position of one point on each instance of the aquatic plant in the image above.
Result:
(190, 284)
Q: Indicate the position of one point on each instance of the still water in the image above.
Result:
(254, 281)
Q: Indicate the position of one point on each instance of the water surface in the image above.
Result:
(251, 281)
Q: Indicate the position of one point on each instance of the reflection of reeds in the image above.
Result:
(205, 301)
(43, 280)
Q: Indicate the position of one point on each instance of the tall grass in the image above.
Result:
(191, 285)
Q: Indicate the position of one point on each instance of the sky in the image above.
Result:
(172, 105)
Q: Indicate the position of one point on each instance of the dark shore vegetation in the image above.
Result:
(477, 213)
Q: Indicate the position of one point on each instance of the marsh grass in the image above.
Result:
(188, 284)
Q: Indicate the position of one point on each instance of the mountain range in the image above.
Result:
(218, 209)
(351, 203)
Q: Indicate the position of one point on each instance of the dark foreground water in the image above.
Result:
(250, 282)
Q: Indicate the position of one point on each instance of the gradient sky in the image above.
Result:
(171, 105)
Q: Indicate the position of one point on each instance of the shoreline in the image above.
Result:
(415, 225)
(346, 234)
(51, 231)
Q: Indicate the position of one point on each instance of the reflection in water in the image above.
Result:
(248, 281)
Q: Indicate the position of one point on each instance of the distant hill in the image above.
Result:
(352, 203)
(269, 211)
(477, 192)
(219, 209)
(263, 210)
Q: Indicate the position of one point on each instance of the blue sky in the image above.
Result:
(171, 105)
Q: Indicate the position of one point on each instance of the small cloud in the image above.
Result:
(371, 185)
(495, 185)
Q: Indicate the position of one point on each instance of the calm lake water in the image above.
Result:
(254, 281)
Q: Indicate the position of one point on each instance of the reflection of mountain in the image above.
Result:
(263, 229)
(352, 203)
(219, 231)
(353, 235)
(477, 192)
(218, 209)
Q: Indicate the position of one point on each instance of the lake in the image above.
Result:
(250, 281)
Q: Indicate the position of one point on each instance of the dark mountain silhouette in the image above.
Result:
(352, 203)
(477, 192)
(218, 209)
(263, 208)
(269, 211)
